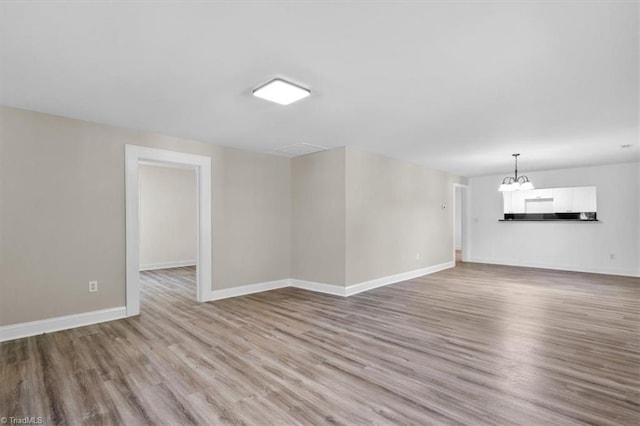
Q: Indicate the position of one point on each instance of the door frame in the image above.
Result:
(134, 155)
(465, 220)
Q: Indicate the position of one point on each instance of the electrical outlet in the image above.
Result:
(93, 286)
(417, 256)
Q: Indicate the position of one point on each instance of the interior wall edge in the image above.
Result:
(396, 278)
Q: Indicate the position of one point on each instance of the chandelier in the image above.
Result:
(515, 183)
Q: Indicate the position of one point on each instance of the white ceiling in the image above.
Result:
(457, 86)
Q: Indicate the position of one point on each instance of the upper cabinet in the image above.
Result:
(575, 200)
(506, 202)
(538, 194)
(563, 200)
(514, 201)
(551, 200)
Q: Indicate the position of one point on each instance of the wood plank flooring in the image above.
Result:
(475, 345)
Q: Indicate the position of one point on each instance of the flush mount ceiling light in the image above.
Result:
(515, 183)
(281, 91)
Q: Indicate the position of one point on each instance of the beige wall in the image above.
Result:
(394, 215)
(359, 216)
(62, 214)
(168, 216)
(318, 203)
(336, 217)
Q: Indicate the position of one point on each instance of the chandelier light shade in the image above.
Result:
(515, 183)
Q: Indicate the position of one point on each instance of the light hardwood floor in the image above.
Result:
(477, 344)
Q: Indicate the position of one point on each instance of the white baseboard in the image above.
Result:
(16, 331)
(248, 289)
(26, 329)
(165, 265)
(557, 267)
(336, 290)
(392, 279)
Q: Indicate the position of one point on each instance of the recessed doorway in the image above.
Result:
(135, 157)
(168, 212)
(460, 213)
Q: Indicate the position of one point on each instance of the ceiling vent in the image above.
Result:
(299, 149)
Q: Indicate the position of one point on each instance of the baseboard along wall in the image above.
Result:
(33, 328)
(166, 265)
(570, 268)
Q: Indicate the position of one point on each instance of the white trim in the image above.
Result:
(166, 265)
(166, 165)
(16, 331)
(393, 279)
(336, 290)
(134, 155)
(332, 289)
(33, 328)
(558, 267)
(347, 291)
(465, 220)
(249, 289)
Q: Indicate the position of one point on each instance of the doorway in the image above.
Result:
(135, 157)
(460, 237)
(168, 201)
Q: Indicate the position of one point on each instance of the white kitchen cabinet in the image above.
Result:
(562, 200)
(538, 194)
(517, 201)
(538, 205)
(506, 202)
(551, 200)
(574, 200)
(513, 202)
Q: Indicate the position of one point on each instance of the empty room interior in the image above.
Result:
(301, 213)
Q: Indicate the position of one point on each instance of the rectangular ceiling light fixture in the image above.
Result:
(281, 92)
